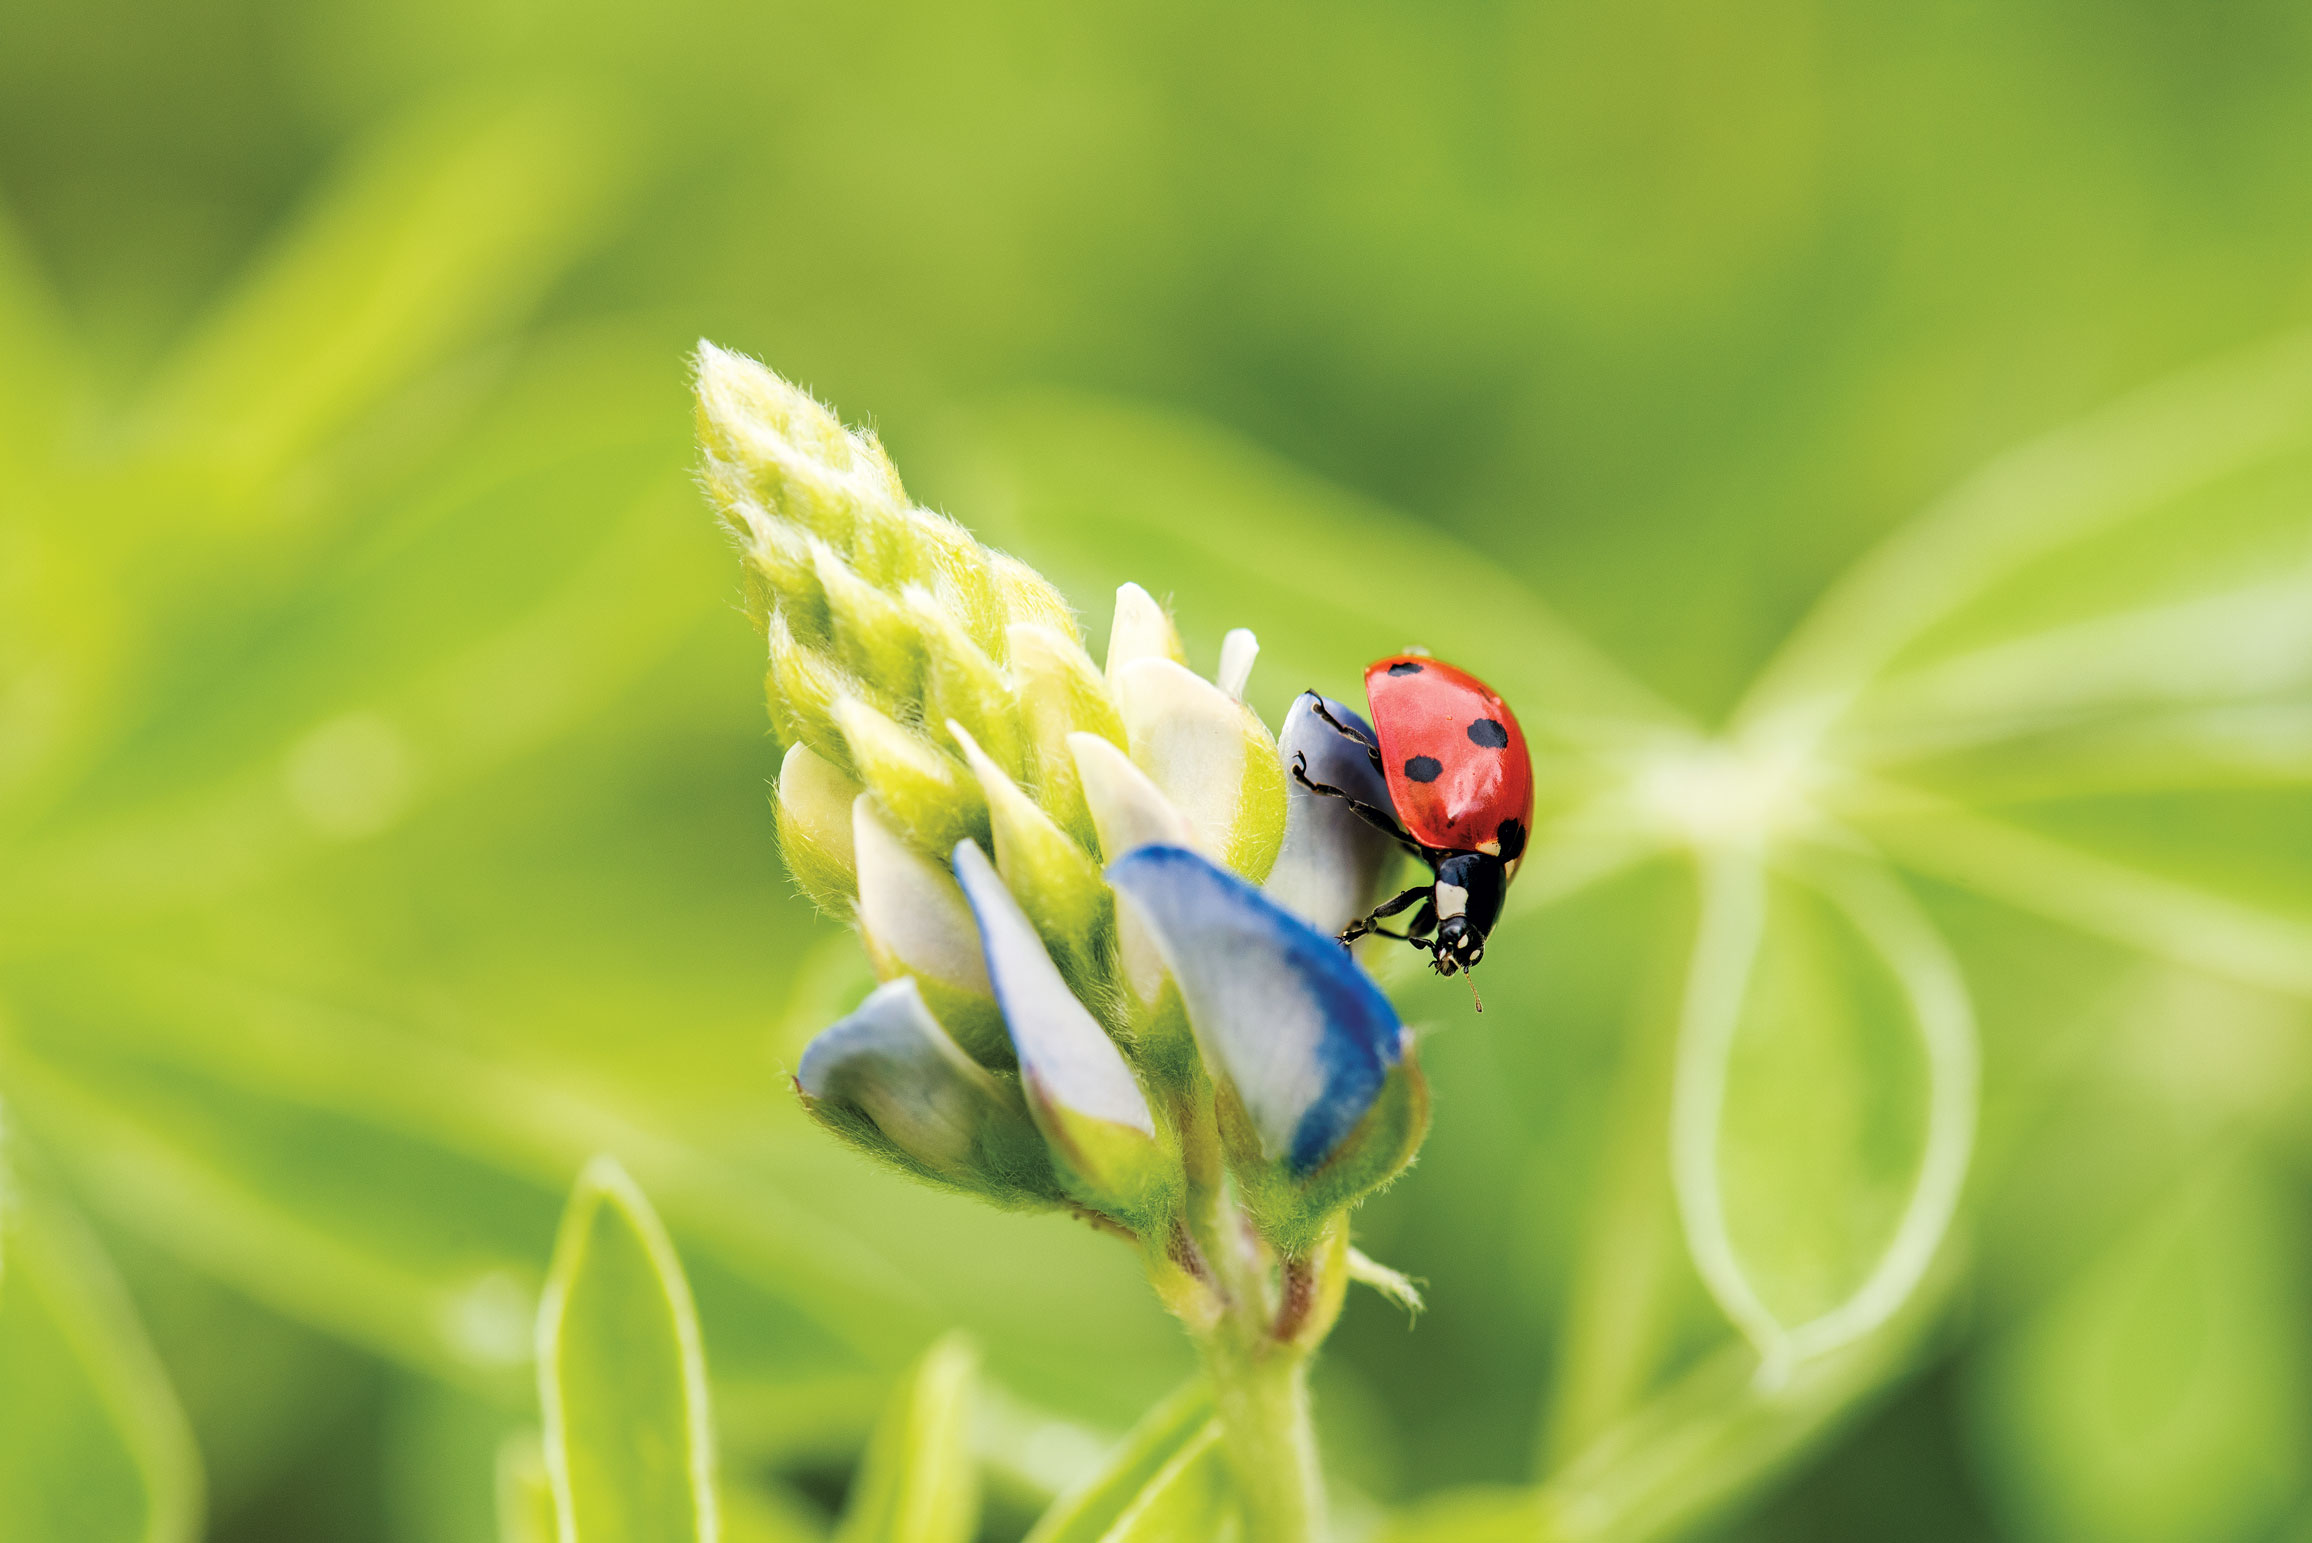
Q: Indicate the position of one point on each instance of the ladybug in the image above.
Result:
(1455, 763)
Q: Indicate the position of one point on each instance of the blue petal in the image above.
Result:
(1063, 1052)
(1330, 867)
(1302, 1034)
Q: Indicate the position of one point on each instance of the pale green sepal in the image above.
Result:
(892, 1081)
(1210, 755)
(1055, 881)
(629, 1440)
(780, 571)
(1060, 694)
(1141, 629)
(928, 794)
(916, 923)
(1086, 1513)
(959, 573)
(961, 683)
(1107, 1145)
(813, 805)
(801, 687)
(1029, 600)
(875, 635)
(918, 1482)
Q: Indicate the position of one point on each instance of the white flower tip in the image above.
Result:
(1237, 652)
(1128, 809)
(1141, 630)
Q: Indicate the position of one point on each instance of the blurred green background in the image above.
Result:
(382, 758)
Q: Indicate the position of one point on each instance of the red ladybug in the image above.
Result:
(1459, 775)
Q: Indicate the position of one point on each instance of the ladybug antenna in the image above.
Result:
(1475, 1000)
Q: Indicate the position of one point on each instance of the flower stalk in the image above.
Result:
(1101, 912)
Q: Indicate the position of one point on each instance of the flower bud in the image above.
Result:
(874, 635)
(1210, 756)
(1320, 1099)
(1060, 694)
(1104, 1139)
(891, 1080)
(929, 795)
(916, 924)
(1330, 867)
(814, 818)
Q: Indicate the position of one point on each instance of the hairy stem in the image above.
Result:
(1260, 1389)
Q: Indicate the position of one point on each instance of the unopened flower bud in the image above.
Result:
(891, 1080)
(1210, 755)
(814, 818)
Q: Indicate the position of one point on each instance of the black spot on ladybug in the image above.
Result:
(1424, 768)
(1512, 837)
(1489, 733)
(1404, 667)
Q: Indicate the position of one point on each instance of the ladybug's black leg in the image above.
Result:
(1380, 819)
(1346, 731)
(1370, 922)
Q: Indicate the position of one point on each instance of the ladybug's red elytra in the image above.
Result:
(1461, 781)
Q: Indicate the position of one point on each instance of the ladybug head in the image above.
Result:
(1459, 946)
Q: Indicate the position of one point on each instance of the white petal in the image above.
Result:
(817, 797)
(1189, 736)
(1128, 810)
(911, 909)
(1237, 652)
(1330, 869)
(1141, 630)
(1302, 1034)
(1064, 1053)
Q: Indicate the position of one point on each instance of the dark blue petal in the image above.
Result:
(1279, 1008)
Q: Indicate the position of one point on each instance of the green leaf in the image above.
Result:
(93, 1448)
(919, 1482)
(629, 1442)
(440, 236)
(525, 1492)
(1824, 1109)
(2163, 1393)
(1146, 1458)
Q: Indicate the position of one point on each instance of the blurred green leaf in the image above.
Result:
(1140, 1462)
(621, 1375)
(440, 237)
(93, 1448)
(525, 1493)
(1825, 1103)
(919, 1482)
(2163, 1394)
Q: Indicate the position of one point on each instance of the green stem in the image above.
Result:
(1261, 1392)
